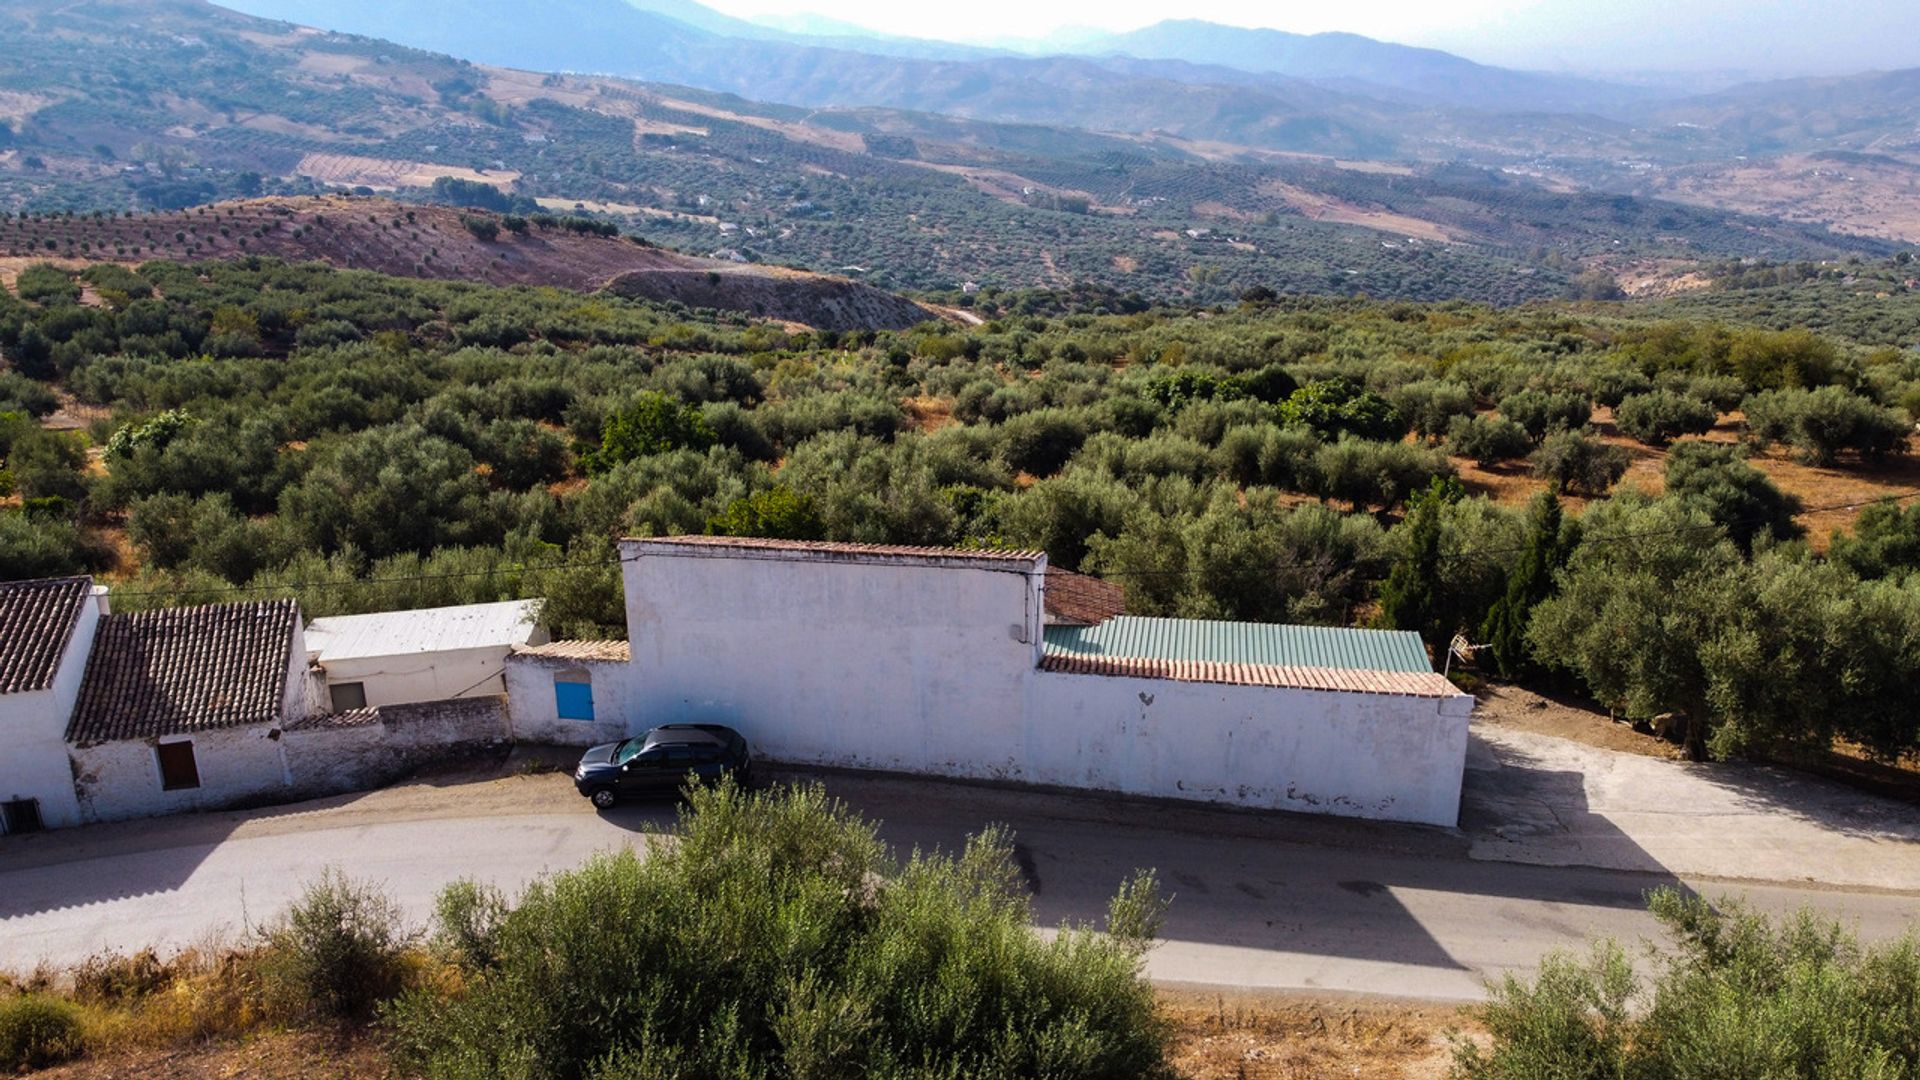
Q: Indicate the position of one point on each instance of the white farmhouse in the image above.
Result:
(46, 633)
(943, 662)
(432, 654)
(184, 709)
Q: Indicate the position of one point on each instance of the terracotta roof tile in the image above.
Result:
(1402, 683)
(825, 547)
(36, 623)
(180, 670)
(1082, 600)
(598, 652)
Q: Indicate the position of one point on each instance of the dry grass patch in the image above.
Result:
(1230, 1036)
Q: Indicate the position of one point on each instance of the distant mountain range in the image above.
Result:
(1399, 72)
(1334, 94)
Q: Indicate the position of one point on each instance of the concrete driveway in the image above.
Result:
(1259, 900)
(1553, 802)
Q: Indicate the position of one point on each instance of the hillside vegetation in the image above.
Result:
(368, 442)
(566, 251)
(204, 104)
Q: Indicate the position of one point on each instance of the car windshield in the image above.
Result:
(627, 751)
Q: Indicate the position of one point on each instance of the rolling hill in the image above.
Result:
(438, 242)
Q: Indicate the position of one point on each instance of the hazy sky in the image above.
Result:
(1775, 36)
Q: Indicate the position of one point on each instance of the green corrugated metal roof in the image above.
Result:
(1243, 643)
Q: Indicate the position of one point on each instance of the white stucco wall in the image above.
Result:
(33, 729)
(533, 713)
(1317, 751)
(417, 677)
(891, 664)
(919, 668)
(120, 780)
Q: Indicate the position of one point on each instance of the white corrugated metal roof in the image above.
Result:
(426, 630)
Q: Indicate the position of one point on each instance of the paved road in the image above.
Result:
(1259, 901)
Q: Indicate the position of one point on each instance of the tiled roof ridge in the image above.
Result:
(612, 650)
(840, 547)
(179, 670)
(1083, 598)
(1353, 680)
(37, 619)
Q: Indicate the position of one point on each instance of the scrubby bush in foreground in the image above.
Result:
(771, 937)
(336, 953)
(37, 1031)
(1737, 995)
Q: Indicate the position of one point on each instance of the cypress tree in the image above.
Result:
(1549, 543)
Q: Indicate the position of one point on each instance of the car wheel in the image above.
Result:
(604, 798)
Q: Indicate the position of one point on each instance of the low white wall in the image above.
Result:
(1317, 751)
(534, 715)
(418, 677)
(329, 759)
(120, 780)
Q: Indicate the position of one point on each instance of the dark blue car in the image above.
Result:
(655, 765)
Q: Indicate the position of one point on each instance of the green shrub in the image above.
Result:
(37, 1031)
(1718, 481)
(1040, 443)
(336, 953)
(1578, 462)
(774, 937)
(1823, 423)
(777, 513)
(467, 917)
(1487, 439)
(1432, 406)
(1613, 385)
(1735, 995)
(1376, 474)
(652, 424)
(44, 283)
(1656, 418)
(1332, 407)
(1542, 413)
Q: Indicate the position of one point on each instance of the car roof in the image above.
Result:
(684, 736)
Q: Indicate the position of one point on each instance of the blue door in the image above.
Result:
(573, 695)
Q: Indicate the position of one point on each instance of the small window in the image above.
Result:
(20, 815)
(573, 694)
(348, 696)
(178, 770)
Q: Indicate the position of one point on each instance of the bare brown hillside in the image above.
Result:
(436, 242)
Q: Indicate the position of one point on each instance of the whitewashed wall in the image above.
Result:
(120, 780)
(1316, 751)
(324, 760)
(534, 715)
(33, 730)
(918, 666)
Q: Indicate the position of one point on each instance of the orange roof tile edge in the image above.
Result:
(1403, 683)
(604, 651)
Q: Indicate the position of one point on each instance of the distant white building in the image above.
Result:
(432, 654)
(955, 663)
